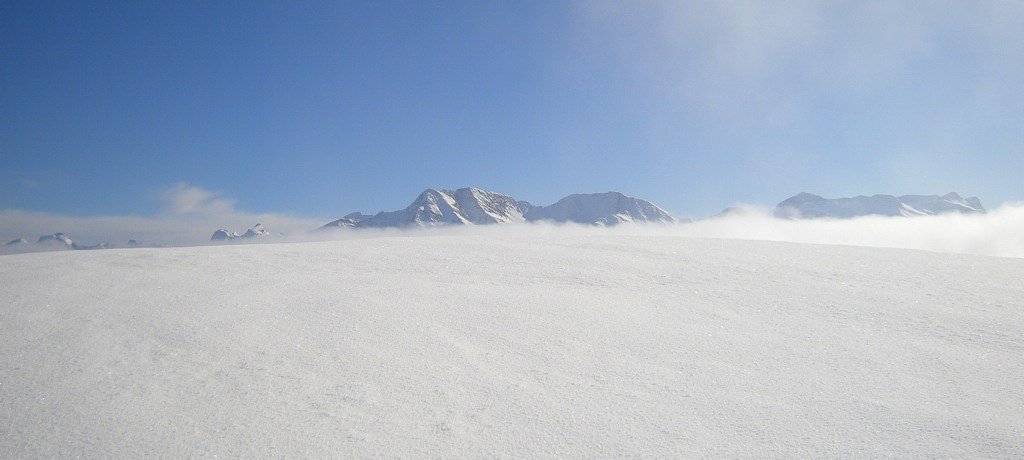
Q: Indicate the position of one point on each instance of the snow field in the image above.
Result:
(511, 345)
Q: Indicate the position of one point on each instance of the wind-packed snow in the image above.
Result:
(542, 343)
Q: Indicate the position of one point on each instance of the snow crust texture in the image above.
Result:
(516, 346)
(806, 205)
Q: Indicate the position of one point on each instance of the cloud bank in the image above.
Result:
(188, 215)
(999, 232)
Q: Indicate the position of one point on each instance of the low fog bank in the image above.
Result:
(165, 229)
(1000, 232)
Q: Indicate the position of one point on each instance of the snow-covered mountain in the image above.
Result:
(56, 240)
(806, 205)
(473, 206)
(436, 207)
(256, 231)
(223, 235)
(344, 222)
(608, 208)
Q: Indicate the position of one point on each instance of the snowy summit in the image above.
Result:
(609, 208)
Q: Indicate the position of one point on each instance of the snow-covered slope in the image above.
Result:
(511, 344)
(344, 222)
(806, 205)
(17, 241)
(609, 208)
(431, 208)
(484, 207)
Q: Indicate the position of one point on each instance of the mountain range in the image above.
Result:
(809, 206)
(473, 206)
(51, 242)
(256, 231)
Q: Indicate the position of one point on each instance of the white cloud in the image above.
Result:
(764, 53)
(186, 199)
(831, 96)
(190, 214)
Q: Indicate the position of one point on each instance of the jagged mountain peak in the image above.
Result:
(256, 231)
(477, 206)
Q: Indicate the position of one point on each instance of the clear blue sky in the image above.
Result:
(319, 108)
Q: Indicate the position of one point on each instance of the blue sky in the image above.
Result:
(317, 109)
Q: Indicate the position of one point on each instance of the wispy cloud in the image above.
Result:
(737, 55)
(833, 97)
(187, 199)
(188, 215)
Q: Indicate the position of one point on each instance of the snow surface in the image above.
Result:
(548, 343)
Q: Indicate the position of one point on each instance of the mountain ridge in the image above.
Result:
(810, 206)
(475, 206)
